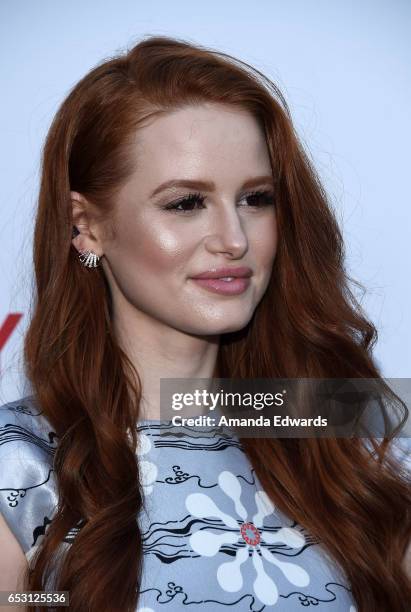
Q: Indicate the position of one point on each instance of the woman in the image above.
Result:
(172, 161)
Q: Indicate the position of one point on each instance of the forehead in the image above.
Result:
(196, 139)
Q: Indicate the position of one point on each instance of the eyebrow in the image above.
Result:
(208, 185)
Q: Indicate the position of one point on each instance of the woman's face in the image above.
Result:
(157, 250)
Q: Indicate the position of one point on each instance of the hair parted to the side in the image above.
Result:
(308, 324)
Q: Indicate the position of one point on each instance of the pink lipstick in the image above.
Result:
(225, 281)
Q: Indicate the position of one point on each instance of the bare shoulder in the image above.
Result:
(13, 562)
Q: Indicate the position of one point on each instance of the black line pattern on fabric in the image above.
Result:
(170, 542)
(10, 432)
(160, 537)
(185, 437)
(21, 492)
(218, 445)
(74, 531)
(23, 409)
(40, 529)
(181, 477)
(308, 600)
(184, 430)
(304, 599)
(173, 590)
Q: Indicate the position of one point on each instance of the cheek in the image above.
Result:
(156, 248)
(265, 243)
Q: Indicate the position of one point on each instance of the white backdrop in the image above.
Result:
(344, 69)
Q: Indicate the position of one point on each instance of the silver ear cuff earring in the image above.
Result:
(87, 258)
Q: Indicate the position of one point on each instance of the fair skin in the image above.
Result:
(168, 325)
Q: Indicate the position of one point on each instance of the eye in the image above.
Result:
(188, 203)
(256, 199)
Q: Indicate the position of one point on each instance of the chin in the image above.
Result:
(220, 327)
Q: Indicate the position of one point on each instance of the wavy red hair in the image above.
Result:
(308, 324)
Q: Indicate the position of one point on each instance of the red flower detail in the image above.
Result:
(254, 538)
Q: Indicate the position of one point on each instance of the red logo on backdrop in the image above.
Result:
(8, 327)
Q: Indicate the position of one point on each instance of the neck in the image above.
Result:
(159, 351)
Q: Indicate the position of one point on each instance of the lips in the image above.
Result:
(236, 286)
(241, 272)
(225, 281)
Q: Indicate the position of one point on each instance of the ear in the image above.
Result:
(84, 239)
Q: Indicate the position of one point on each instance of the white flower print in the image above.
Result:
(252, 532)
(148, 469)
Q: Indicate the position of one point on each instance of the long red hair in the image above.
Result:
(308, 324)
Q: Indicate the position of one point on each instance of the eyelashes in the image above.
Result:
(259, 199)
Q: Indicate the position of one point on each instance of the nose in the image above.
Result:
(227, 235)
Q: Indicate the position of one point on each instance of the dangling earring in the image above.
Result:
(87, 258)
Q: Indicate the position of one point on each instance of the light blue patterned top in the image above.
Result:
(213, 540)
